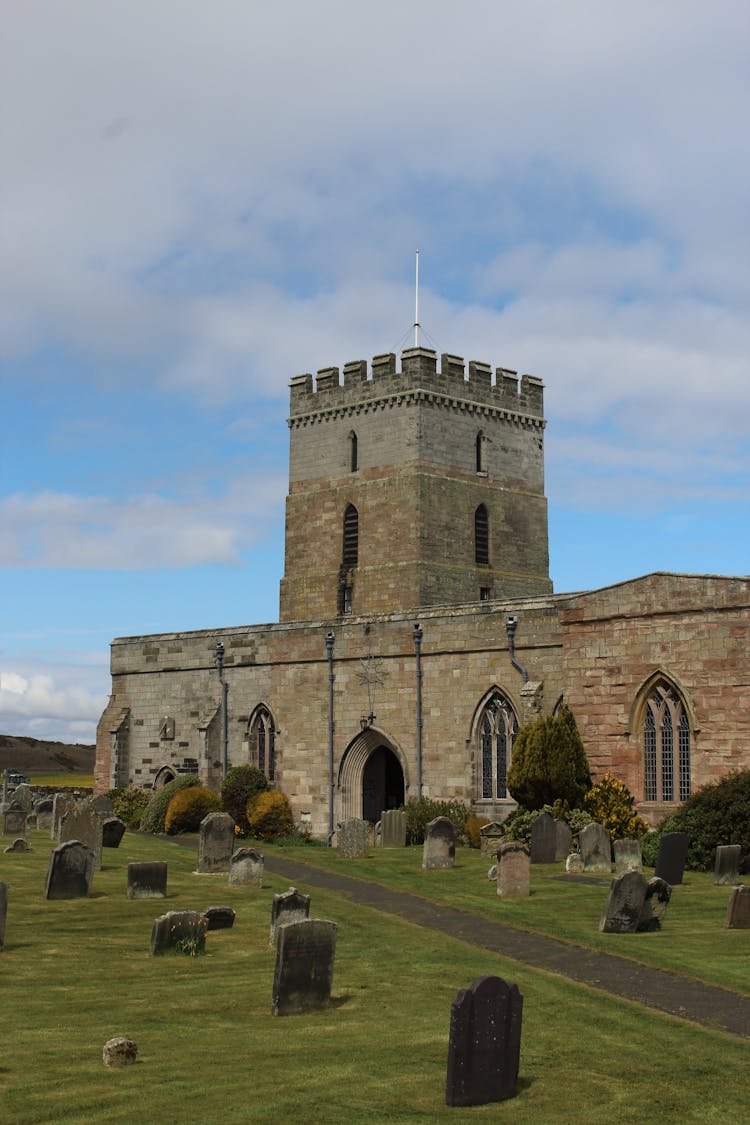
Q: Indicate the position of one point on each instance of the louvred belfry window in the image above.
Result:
(481, 537)
(351, 536)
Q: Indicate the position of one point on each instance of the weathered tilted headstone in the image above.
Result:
(43, 810)
(543, 839)
(219, 917)
(62, 803)
(484, 1046)
(491, 836)
(513, 872)
(148, 879)
(624, 905)
(738, 908)
(70, 872)
(627, 856)
(23, 798)
(246, 868)
(564, 840)
(574, 864)
(353, 838)
(20, 844)
(439, 849)
(180, 930)
(727, 865)
(14, 821)
(215, 843)
(303, 974)
(393, 828)
(670, 862)
(291, 906)
(595, 847)
(113, 830)
(84, 823)
(3, 913)
(658, 894)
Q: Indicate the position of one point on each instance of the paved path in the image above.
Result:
(656, 988)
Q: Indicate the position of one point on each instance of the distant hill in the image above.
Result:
(33, 755)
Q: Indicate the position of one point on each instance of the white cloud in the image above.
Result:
(52, 701)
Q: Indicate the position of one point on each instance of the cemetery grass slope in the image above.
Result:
(694, 941)
(76, 973)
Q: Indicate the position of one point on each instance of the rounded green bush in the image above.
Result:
(716, 814)
(269, 815)
(188, 807)
(549, 763)
(156, 810)
(611, 803)
(240, 785)
(420, 813)
(130, 804)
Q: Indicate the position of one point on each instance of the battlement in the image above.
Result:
(419, 371)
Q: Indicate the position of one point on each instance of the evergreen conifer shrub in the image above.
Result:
(549, 763)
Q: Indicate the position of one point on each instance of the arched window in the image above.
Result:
(480, 451)
(666, 728)
(351, 536)
(263, 742)
(481, 537)
(497, 731)
(353, 453)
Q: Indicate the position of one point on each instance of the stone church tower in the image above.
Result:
(414, 488)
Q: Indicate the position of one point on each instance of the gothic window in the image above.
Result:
(353, 453)
(263, 742)
(498, 727)
(480, 451)
(665, 728)
(481, 537)
(351, 536)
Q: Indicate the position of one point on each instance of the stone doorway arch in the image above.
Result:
(372, 777)
(163, 777)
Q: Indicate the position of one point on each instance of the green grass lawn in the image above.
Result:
(63, 780)
(694, 941)
(76, 973)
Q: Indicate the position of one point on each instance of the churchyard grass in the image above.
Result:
(76, 973)
(694, 940)
(65, 780)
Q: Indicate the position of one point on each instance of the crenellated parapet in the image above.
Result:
(419, 372)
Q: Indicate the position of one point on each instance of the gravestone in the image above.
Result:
(627, 856)
(62, 803)
(393, 828)
(246, 868)
(564, 840)
(14, 821)
(44, 813)
(670, 862)
(18, 845)
(574, 864)
(83, 823)
(3, 913)
(353, 839)
(303, 974)
(513, 871)
(543, 839)
(484, 1045)
(595, 847)
(291, 906)
(439, 848)
(119, 1052)
(492, 873)
(113, 830)
(23, 798)
(216, 843)
(219, 917)
(147, 880)
(180, 930)
(103, 805)
(658, 894)
(491, 836)
(70, 872)
(738, 908)
(727, 865)
(624, 905)
(31, 820)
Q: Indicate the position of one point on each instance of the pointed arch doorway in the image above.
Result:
(371, 777)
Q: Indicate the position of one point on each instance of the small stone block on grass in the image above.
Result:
(219, 917)
(19, 845)
(147, 880)
(119, 1052)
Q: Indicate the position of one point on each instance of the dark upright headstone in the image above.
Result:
(71, 869)
(304, 966)
(113, 830)
(147, 880)
(624, 905)
(727, 865)
(543, 839)
(484, 1046)
(219, 917)
(291, 906)
(670, 862)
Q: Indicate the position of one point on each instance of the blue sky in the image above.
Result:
(200, 201)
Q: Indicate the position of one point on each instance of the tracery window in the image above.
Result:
(481, 536)
(351, 536)
(498, 727)
(263, 742)
(665, 722)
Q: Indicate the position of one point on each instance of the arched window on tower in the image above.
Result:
(262, 740)
(497, 730)
(353, 453)
(666, 746)
(481, 536)
(481, 452)
(350, 554)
